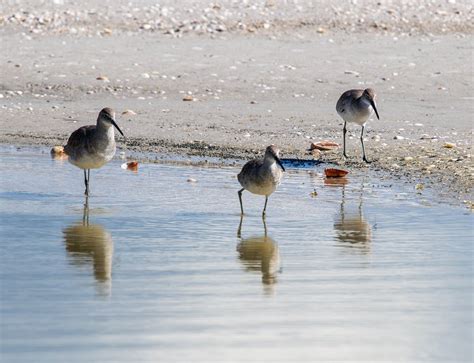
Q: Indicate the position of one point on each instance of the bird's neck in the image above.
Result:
(363, 102)
(105, 128)
(269, 162)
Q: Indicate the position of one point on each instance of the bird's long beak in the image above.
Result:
(372, 103)
(279, 163)
(118, 128)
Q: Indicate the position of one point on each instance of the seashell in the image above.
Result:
(131, 165)
(129, 113)
(449, 145)
(324, 145)
(419, 186)
(335, 173)
(57, 150)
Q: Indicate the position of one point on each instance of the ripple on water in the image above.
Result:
(160, 267)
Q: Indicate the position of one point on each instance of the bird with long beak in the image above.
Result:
(93, 146)
(261, 176)
(357, 106)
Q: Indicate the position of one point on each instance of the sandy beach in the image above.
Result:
(228, 79)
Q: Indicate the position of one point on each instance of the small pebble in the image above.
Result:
(419, 186)
(352, 72)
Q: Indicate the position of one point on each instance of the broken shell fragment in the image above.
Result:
(57, 152)
(131, 165)
(129, 113)
(324, 145)
(449, 145)
(103, 78)
(315, 153)
(335, 173)
(188, 98)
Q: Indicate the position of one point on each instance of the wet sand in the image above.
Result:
(274, 84)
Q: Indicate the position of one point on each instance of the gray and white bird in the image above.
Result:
(93, 146)
(357, 106)
(261, 176)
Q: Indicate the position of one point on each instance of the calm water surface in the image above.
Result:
(159, 270)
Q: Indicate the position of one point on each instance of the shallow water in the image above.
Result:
(157, 270)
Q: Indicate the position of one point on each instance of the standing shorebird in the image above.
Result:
(92, 146)
(261, 176)
(356, 105)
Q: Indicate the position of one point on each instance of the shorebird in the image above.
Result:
(356, 105)
(93, 146)
(261, 176)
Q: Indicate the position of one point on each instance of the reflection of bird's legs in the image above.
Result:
(343, 196)
(264, 225)
(85, 215)
(361, 197)
(240, 199)
(239, 230)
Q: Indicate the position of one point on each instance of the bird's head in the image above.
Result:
(107, 115)
(369, 95)
(273, 153)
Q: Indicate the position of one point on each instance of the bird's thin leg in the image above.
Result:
(264, 225)
(363, 148)
(86, 183)
(240, 199)
(265, 207)
(344, 130)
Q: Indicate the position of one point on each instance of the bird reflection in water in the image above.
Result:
(260, 253)
(91, 244)
(350, 226)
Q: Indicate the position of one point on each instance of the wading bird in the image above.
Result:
(93, 146)
(261, 176)
(356, 105)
